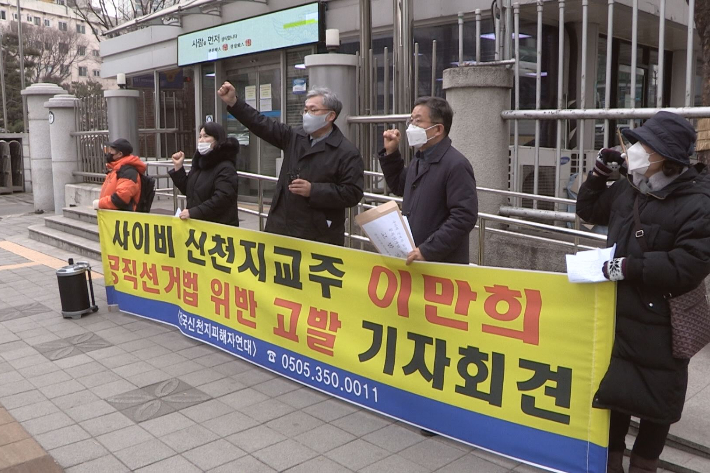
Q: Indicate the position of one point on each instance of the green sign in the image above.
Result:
(281, 29)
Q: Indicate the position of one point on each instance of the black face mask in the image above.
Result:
(109, 157)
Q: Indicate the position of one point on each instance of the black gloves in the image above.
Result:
(607, 161)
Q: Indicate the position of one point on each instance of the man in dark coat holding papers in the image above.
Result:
(438, 186)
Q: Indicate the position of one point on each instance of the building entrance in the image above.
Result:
(260, 87)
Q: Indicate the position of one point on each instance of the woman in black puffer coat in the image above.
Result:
(211, 186)
(644, 380)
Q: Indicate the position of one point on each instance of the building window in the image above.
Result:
(81, 29)
(82, 51)
(38, 21)
(65, 69)
(82, 71)
(62, 26)
(95, 53)
(60, 2)
(2, 15)
(29, 18)
(97, 73)
(63, 48)
(47, 23)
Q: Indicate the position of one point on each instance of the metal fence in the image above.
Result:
(155, 143)
(577, 119)
(573, 238)
(164, 127)
(534, 169)
(550, 148)
(91, 136)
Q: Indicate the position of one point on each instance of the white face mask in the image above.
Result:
(313, 123)
(639, 159)
(204, 148)
(416, 136)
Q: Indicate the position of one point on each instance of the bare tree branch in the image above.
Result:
(103, 15)
(54, 51)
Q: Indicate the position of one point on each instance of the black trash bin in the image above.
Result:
(74, 291)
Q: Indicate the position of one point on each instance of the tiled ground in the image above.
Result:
(111, 393)
(8, 258)
(19, 451)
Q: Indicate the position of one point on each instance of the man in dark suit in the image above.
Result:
(322, 173)
(438, 186)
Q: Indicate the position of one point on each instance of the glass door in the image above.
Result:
(269, 99)
(259, 87)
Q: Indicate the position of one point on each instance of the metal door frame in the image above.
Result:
(258, 69)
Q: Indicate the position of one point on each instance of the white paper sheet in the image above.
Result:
(389, 235)
(406, 223)
(586, 266)
(250, 92)
(265, 105)
(178, 211)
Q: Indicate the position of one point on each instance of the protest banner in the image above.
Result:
(506, 360)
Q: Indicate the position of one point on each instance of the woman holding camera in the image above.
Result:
(659, 219)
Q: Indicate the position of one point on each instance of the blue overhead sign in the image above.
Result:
(277, 30)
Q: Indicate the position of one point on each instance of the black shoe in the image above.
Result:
(427, 433)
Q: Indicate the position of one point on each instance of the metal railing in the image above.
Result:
(355, 239)
(401, 72)
(90, 145)
(582, 111)
(163, 129)
(91, 135)
(579, 123)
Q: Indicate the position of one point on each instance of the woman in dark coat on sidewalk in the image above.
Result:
(211, 186)
(644, 379)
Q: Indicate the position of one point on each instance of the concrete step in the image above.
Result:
(73, 243)
(85, 214)
(80, 228)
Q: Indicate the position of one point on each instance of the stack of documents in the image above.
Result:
(387, 229)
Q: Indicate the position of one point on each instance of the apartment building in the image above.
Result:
(58, 15)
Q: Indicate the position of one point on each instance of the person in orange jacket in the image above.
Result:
(122, 187)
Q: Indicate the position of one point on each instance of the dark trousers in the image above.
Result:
(649, 442)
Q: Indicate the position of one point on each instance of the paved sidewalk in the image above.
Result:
(112, 392)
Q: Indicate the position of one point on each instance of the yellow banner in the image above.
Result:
(504, 359)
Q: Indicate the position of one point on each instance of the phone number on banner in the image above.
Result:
(308, 372)
(330, 378)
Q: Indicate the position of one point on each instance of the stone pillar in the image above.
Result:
(338, 72)
(40, 149)
(478, 95)
(65, 155)
(123, 116)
